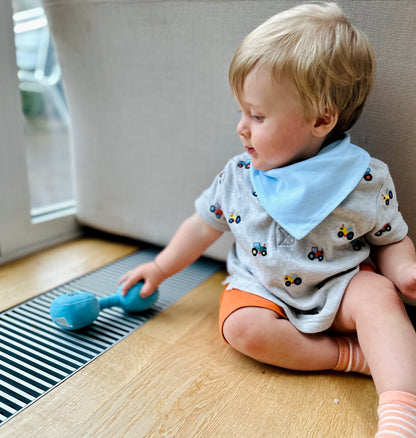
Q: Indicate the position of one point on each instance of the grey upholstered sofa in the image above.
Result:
(153, 119)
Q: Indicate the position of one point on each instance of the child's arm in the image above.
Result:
(191, 239)
(397, 261)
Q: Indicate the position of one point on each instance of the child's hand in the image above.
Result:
(149, 273)
(406, 280)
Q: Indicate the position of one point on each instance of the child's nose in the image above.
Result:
(243, 129)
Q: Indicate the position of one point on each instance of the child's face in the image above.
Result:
(272, 128)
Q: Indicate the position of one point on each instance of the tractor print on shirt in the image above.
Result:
(367, 175)
(316, 253)
(357, 244)
(387, 196)
(259, 249)
(386, 227)
(234, 217)
(216, 208)
(347, 232)
(246, 164)
(292, 279)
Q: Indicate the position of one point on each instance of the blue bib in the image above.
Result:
(300, 196)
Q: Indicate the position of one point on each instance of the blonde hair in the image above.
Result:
(329, 61)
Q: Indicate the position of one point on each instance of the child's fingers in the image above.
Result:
(147, 290)
(145, 273)
(130, 282)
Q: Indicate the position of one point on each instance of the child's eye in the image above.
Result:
(257, 118)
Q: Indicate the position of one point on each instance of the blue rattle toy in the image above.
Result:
(78, 309)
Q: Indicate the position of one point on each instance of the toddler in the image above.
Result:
(306, 208)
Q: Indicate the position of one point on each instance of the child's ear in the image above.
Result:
(325, 122)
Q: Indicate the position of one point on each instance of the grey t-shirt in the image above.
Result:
(306, 277)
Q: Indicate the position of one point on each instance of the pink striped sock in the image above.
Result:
(351, 357)
(397, 415)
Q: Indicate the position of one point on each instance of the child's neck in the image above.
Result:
(332, 137)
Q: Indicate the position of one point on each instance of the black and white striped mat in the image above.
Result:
(36, 356)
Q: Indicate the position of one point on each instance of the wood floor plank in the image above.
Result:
(25, 278)
(175, 377)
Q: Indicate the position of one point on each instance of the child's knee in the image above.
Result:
(244, 329)
(379, 291)
(240, 330)
(390, 298)
(385, 290)
(369, 296)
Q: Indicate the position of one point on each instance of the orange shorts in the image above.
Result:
(234, 299)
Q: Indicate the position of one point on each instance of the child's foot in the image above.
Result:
(397, 415)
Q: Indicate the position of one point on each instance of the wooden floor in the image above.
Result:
(175, 377)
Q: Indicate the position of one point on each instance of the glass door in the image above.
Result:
(36, 201)
(46, 120)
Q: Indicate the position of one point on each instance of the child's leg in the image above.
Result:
(372, 307)
(254, 326)
(265, 336)
(388, 341)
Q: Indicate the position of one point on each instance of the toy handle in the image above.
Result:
(109, 301)
(132, 302)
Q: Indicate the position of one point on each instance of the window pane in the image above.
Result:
(46, 121)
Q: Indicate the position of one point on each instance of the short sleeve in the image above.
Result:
(389, 225)
(209, 205)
